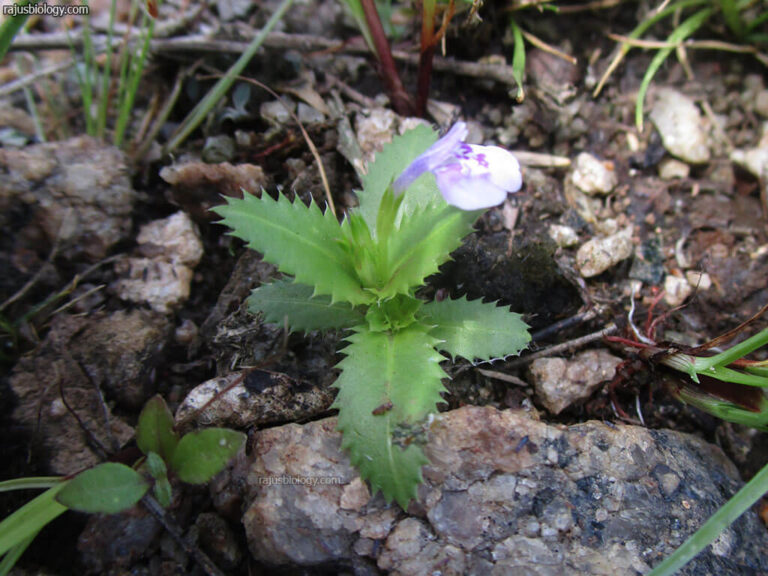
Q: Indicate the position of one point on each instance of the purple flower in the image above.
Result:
(469, 177)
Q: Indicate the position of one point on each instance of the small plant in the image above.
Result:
(726, 385)
(112, 487)
(419, 199)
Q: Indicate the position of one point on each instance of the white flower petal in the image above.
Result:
(501, 165)
(467, 192)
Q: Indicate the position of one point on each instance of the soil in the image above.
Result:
(712, 220)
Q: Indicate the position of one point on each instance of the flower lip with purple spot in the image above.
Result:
(469, 176)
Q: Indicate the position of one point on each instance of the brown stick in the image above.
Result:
(276, 40)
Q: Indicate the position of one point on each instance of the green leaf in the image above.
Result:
(283, 300)
(11, 26)
(388, 165)
(163, 492)
(201, 455)
(300, 240)
(388, 381)
(13, 555)
(424, 241)
(392, 315)
(154, 432)
(156, 466)
(28, 520)
(475, 329)
(108, 488)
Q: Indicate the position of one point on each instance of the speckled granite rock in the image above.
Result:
(505, 494)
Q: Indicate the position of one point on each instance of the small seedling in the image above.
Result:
(419, 199)
(112, 487)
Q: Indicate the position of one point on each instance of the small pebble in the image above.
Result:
(599, 254)
(754, 160)
(761, 103)
(186, 332)
(681, 126)
(698, 280)
(276, 112)
(309, 115)
(676, 290)
(671, 169)
(564, 236)
(592, 176)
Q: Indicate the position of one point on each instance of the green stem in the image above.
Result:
(200, 112)
(733, 353)
(31, 482)
(135, 70)
(518, 59)
(13, 555)
(720, 520)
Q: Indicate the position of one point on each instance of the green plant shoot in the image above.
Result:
(111, 487)
(419, 199)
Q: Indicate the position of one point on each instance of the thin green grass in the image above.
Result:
(518, 59)
(203, 108)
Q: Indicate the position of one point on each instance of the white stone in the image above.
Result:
(681, 126)
(593, 176)
(676, 290)
(276, 111)
(564, 236)
(599, 254)
(671, 168)
(754, 160)
(761, 103)
(698, 280)
(176, 237)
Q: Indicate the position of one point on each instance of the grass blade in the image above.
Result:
(686, 28)
(203, 108)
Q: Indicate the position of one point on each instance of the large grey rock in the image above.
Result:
(505, 494)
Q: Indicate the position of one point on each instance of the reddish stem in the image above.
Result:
(428, 43)
(401, 101)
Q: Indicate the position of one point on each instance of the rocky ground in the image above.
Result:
(119, 285)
